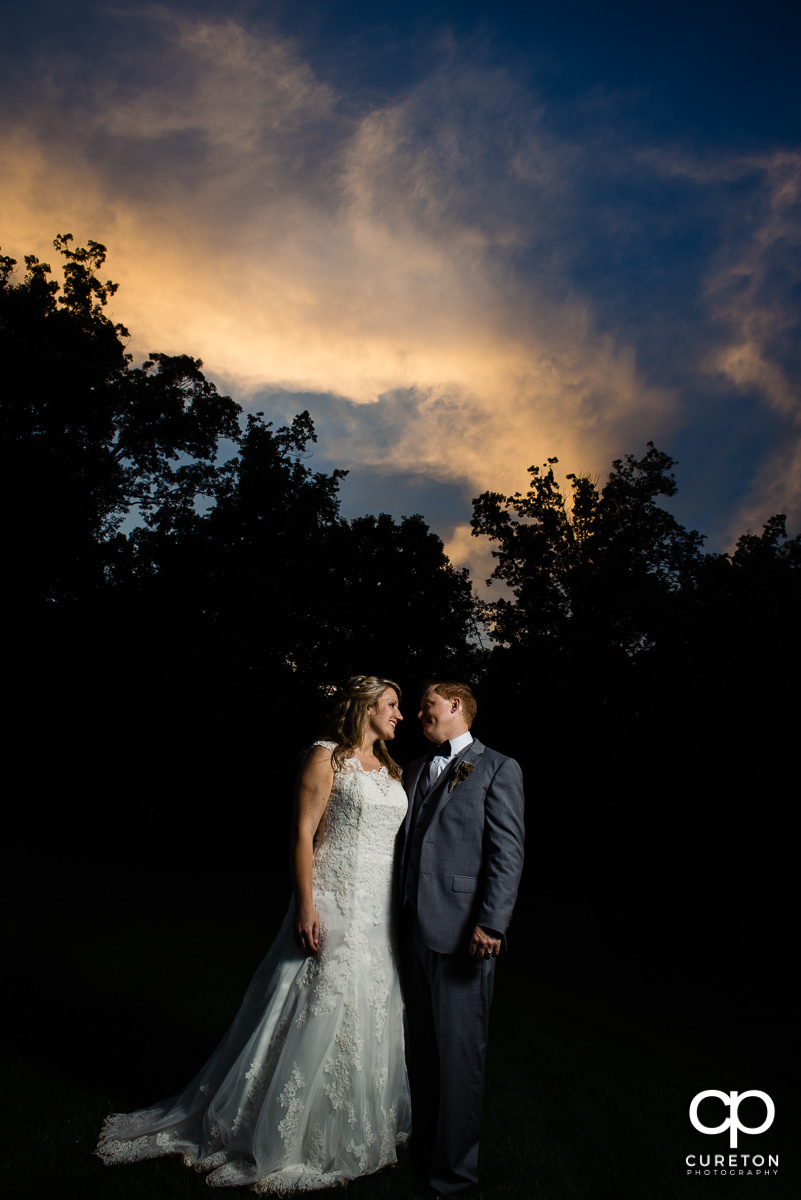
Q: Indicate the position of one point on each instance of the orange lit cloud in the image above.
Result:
(254, 222)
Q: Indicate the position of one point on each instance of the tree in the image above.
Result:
(597, 574)
(86, 438)
(741, 636)
(253, 574)
(403, 605)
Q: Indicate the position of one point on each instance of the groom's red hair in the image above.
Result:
(449, 689)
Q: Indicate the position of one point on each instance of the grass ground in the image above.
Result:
(593, 1062)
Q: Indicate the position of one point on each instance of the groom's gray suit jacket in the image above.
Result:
(470, 845)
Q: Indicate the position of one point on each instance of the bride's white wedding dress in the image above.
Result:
(308, 1088)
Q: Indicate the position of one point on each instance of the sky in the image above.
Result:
(466, 237)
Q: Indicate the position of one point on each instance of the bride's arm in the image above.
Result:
(312, 790)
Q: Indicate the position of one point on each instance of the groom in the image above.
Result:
(461, 864)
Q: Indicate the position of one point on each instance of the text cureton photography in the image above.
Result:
(732, 1164)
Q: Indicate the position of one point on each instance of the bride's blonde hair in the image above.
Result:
(350, 717)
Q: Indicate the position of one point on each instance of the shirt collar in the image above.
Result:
(459, 743)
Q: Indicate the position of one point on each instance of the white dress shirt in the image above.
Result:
(440, 761)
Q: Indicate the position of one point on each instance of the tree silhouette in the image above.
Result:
(597, 573)
(85, 437)
(413, 605)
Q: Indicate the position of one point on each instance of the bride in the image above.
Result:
(308, 1088)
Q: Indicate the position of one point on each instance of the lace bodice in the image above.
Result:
(355, 843)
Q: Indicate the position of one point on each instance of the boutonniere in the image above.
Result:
(463, 769)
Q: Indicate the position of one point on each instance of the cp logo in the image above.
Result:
(733, 1122)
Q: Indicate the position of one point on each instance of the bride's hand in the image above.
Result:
(306, 929)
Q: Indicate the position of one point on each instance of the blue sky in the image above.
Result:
(466, 237)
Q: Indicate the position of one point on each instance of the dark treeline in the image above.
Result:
(181, 593)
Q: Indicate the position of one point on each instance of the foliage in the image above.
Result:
(85, 437)
(415, 605)
(602, 568)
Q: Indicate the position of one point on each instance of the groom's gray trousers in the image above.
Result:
(460, 858)
(447, 1000)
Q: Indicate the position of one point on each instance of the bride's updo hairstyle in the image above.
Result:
(350, 718)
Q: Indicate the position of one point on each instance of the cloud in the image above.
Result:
(417, 257)
(742, 286)
(750, 288)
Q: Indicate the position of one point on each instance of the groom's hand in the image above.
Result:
(485, 943)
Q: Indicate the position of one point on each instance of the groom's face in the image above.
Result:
(442, 719)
